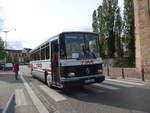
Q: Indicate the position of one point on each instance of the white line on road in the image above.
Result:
(20, 97)
(79, 94)
(126, 82)
(93, 89)
(53, 94)
(118, 84)
(107, 86)
(38, 104)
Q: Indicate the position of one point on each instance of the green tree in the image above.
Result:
(110, 8)
(101, 26)
(129, 30)
(16, 59)
(118, 33)
(9, 59)
(26, 59)
(95, 22)
(107, 21)
(2, 52)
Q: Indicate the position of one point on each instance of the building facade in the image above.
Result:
(21, 56)
(142, 33)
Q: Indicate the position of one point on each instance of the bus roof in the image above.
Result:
(55, 36)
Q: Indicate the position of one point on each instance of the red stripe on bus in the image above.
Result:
(48, 70)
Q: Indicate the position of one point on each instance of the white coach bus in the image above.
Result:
(68, 59)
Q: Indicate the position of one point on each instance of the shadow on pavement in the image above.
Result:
(1, 110)
(127, 98)
(9, 78)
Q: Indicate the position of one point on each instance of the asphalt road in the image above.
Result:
(108, 97)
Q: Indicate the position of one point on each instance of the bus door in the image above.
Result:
(54, 62)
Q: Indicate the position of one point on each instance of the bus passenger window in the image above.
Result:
(38, 55)
(43, 54)
(47, 52)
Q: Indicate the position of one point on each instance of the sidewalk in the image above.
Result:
(9, 86)
(6, 72)
(128, 79)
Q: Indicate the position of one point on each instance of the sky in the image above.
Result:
(36, 21)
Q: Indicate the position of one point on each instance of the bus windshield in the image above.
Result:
(81, 46)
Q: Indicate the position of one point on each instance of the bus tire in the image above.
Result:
(45, 76)
(49, 80)
(32, 73)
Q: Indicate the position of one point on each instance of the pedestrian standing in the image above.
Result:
(16, 69)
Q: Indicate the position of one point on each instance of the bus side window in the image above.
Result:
(47, 52)
(43, 54)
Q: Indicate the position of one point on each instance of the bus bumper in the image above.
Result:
(77, 81)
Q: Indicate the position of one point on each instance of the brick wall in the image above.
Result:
(115, 72)
(142, 33)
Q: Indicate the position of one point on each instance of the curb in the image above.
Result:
(9, 108)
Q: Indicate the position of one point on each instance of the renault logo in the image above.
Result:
(87, 70)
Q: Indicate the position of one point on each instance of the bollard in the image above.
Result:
(142, 71)
(123, 73)
(107, 70)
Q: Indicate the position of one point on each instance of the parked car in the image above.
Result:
(7, 66)
(2, 66)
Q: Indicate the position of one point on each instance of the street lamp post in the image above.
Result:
(7, 31)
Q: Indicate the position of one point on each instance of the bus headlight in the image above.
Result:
(71, 74)
(100, 71)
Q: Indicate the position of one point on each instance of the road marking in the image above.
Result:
(36, 101)
(93, 89)
(107, 86)
(79, 94)
(20, 97)
(126, 82)
(53, 94)
(118, 84)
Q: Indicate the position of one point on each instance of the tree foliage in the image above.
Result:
(118, 33)
(95, 22)
(9, 59)
(101, 27)
(26, 59)
(2, 52)
(16, 59)
(108, 22)
(129, 30)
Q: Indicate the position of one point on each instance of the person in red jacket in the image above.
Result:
(16, 69)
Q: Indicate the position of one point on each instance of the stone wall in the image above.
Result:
(115, 72)
(142, 33)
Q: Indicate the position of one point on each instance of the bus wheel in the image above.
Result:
(31, 71)
(49, 80)
(32, 75)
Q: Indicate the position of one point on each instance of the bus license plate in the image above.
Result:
(90, 80)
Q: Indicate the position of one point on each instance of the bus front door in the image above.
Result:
(55, 64)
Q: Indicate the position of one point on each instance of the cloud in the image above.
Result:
(82, 28)
(1, 19)
(15, 45)
(35, 19)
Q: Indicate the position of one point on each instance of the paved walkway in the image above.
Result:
(9, 86)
